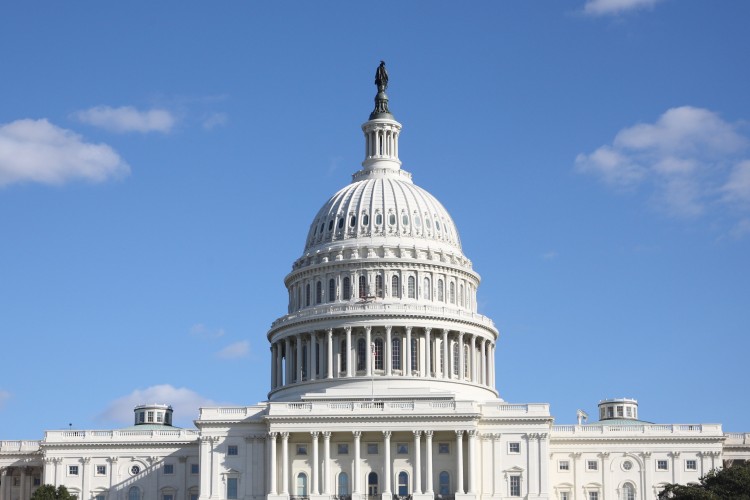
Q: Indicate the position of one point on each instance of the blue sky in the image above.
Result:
(160, 164)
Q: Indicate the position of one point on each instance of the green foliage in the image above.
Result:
(731, 482)
(48, 492)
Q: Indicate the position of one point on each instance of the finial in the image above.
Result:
(381, 100)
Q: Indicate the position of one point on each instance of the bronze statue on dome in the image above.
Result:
(381, 77)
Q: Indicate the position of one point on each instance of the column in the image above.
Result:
(446, 371)
(428, 464)
(113, 472)
(473, 372)
(248, 486)
(387, 463)
(271, 463)
(427, 353)
(298, 366)
(4, 478)
(532, 452)
(327, 463)
(543, 465)
(279, 365)
(288, 359)
(368, 350)
(329, 353)
(348, 352)
(356, 480)
(285, 463)
(273, 366)
(472, 462)
(461, 357)
(314, 487)
(407, 353)
(388, 352)
(85, 493)
(459, 462)
(205, 467)
(417, 488)
(311, 348)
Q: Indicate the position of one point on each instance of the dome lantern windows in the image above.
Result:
(318, 292)
(379, 286)
(307, 295)
(331, 290)
(362, 287)
(412, 287)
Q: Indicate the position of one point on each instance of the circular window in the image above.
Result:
(136, 469)
(627, 465)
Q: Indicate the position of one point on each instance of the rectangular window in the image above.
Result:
(515, 486)
(167, 497)
(592, 465)
(628, 411)
(99, 497)
(564, 495)
(402, 449)
(168, 468)
(343, 448)
(159, 416)
(141, 417)
(150, 416)
(444, 448)
(16, 480)
(193, 496)
(72, 470)
(101, 470)
(372, 448)
(232, 488)
(194, 468)
(232, 450)
(593, 495)
(37, 481)
(691, 465)
(619, 411)
(564, 465)
(514, 447)
(662, 465)
(301, 449)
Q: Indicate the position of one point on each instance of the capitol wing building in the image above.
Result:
(382, 387)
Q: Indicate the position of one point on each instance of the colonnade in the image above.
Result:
(321, 472)
(383, 351)
(19, 482)
(381, 141)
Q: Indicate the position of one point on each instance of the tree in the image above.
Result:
(719, 484)
(48, 492)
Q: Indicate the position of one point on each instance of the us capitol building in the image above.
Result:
(382, 387)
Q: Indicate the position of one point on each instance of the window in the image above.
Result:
(403, 484)
(402, 449)
(628, 492)
(142, 417)
(405, 219)
(100, 497)
(150, 416)
(352, 221)
(159, 417)
(38, 481)
(394, 287)
(396, 353)
(344, 355)
(372, 484)
(16, 480)
(194, 468)
(461, 295)
(691, 465)
(444, 483)
(417, 221)
(331, 290)
(167, 496)
(347, 289)
(365, 220)
(662, 465)
(340, 224)
(452, 292)
(343, 449)
(444, 448)
(514, 486)
(231, 487)
(592, 465)
(455, 359)
(301, 449)
(169, 468)
(514, 447)
(330, 224)
(343, 484)
(134, 493)
(232, 450)
(620, 412)
(361, 354)
(627, 465)
(378, 354)
(440, 291)
(466, 361)
(563, 465)
(372, 448)
(426, 289)
(610, 412)
(628, 411)
(318, 292)
(362, 287)
(72, 470)
(101, 470)
(302, 484)
(411, 283)
(379, 286)
(414, 365)
(307, 294)
(392, 219)
(564, 495)
(593, 495)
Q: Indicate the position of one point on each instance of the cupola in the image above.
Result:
(153, 414)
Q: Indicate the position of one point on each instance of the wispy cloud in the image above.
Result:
(215, 120)
(127, 119)
(690, 160)
(4, 397)
(549, 255)
(202, 331)
(233, 351)
(609, 7)
(39, 151)
(184, 402)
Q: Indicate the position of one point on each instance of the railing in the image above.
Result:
(125, 435)
(398, 406)
(19, 446)
(638, 429)
(735, 438)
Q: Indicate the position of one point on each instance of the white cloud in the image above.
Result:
(605, 7)
(233, 351)
(202, 331)
(185, 403)
(684, 159)
(4, 396)
(215, 120)
(127, 119)
(39, 151)
(550, 255)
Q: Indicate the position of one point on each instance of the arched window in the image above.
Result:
(347, 288)
(455, 359)
(362, 286)
(403, 484)
(441, 291)
(331, 290)
(442, 358)
(301, 484)
(344, 355)
(452, 293)
(395, 292)
(343, 484)
(466, 361)
(372, 484)
(307, 295)
(628, 492)
(426, 291)
(134, 493)
(444, 483)
(304, 360)
(299, 298)
(414, 357)
(318, 292)
(379, 286)
(378, 354)
(412, 287)
(461, 296)
(396, 353)
(361, 354)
